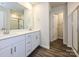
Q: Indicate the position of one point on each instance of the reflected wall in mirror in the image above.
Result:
(16, 21)
(3, 17)
(75, 28)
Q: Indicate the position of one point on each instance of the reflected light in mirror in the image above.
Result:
(14, 16)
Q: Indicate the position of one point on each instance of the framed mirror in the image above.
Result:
(15, 15)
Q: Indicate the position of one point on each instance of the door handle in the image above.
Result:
(11, 50)
(14, 49)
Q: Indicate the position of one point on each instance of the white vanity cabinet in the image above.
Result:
(32, 42)
(13, 47)
(20, 45)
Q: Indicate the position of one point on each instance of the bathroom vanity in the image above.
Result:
(20, 44)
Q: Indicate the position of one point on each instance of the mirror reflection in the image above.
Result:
(16, 21)
(2, 19)
(14, 15)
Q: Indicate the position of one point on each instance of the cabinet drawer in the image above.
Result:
(18, 39)
(28, 42)
(29, 36)
(28, 45)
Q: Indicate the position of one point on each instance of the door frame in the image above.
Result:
(51, 13)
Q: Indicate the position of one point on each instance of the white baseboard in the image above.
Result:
(45, 46)
(75, 52)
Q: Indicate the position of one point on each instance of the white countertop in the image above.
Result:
(13, 33)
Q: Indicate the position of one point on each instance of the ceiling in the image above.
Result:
(55, 4)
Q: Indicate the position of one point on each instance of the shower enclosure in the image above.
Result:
(75, 29)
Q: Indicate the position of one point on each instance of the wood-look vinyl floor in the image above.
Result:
(58, 49)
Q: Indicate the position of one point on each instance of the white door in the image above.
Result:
(55, 32)
(19, 49)
(75, 41)
(6, 52)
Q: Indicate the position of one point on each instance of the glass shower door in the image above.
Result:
(78, 28)
(75, 28)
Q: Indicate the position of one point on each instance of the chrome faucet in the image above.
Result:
(5, 31)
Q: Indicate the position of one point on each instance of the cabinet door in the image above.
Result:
(6, 52)
(19, 49)
(36, 40)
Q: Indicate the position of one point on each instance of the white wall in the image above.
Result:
(60, 9)
(41, 15)
(71, 6)
(36, 16)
